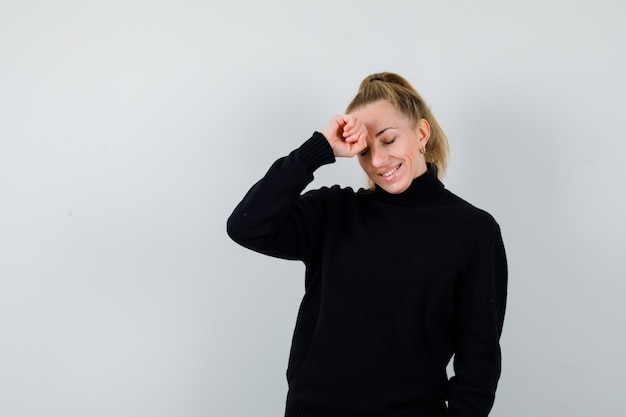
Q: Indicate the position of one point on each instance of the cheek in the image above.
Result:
(412, 153)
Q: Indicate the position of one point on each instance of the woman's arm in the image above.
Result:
(480, 306)
(273, 218)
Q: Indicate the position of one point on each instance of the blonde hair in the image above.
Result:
(401, 94)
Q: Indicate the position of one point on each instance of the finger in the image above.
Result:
(355, 133)
(361, 143)
(354, 137)
(348, 126)
(333, 131)
(358, 134)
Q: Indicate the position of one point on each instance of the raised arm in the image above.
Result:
(274, 218)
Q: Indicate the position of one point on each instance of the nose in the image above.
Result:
(379, 157)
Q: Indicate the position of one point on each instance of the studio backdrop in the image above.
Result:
(129, 130)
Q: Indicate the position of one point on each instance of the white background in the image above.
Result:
(129, 130)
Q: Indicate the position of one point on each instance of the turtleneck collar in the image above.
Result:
(423, 188)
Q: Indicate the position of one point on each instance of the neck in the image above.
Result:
(423, 187)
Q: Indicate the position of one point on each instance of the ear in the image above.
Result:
(422, 129)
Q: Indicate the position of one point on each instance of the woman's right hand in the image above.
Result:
(346, 135)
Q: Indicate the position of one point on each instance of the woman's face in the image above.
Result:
(392, 158)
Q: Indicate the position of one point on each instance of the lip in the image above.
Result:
(392, 176)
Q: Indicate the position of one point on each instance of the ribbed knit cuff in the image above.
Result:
(316, 152)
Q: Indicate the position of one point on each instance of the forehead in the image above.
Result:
(380, 114)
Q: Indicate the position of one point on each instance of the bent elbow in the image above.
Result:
(243, 231)
(234, 229)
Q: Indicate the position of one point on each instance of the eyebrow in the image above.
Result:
(383, 131)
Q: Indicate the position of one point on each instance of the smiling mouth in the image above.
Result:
(390, 172)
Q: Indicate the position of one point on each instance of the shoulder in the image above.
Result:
(472, 218)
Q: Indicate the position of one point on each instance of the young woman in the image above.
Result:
(399, 277)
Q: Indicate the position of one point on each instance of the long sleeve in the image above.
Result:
(481, 301)
(274, 218)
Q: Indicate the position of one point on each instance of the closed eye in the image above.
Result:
(365, 152)
(389, 142)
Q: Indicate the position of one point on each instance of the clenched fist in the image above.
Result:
(346, 135)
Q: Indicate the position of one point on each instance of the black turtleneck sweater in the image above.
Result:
(395, 285)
